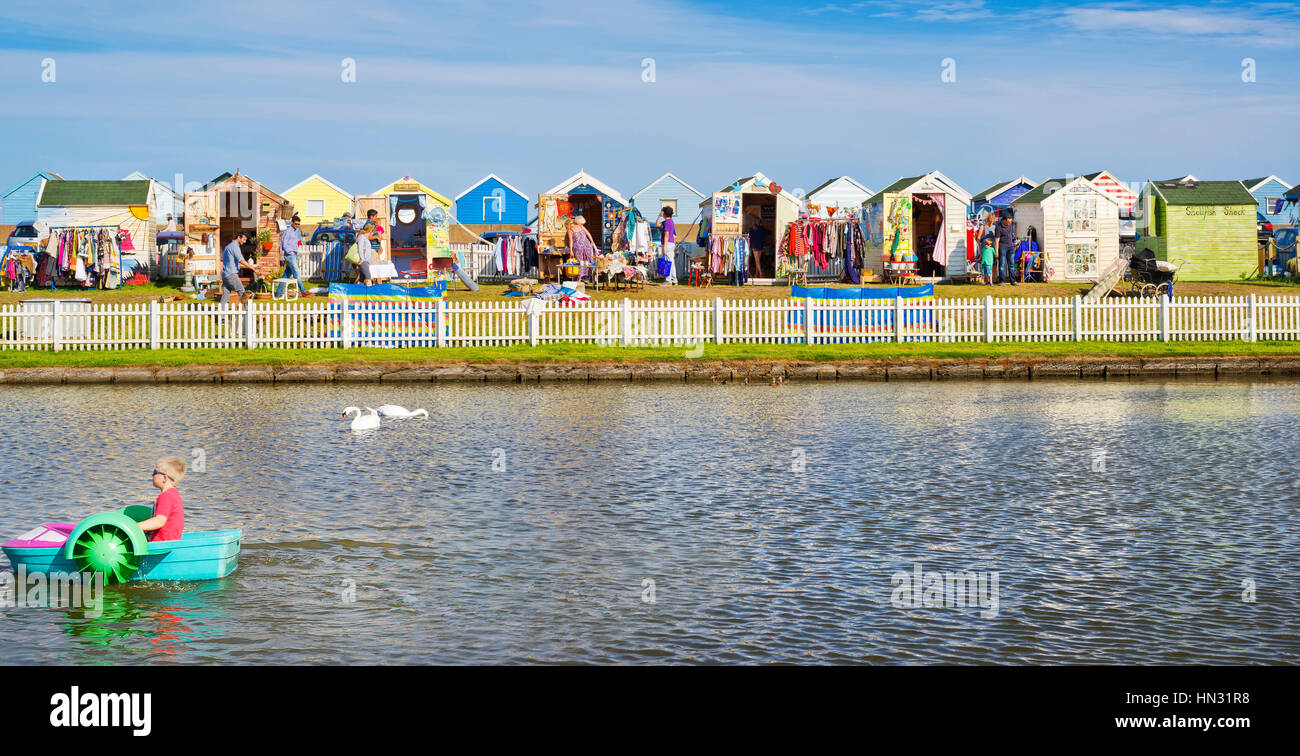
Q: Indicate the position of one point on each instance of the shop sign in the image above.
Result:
(1214, 211)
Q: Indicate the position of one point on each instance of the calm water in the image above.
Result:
(454, 559)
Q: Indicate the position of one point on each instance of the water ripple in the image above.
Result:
(521, 524)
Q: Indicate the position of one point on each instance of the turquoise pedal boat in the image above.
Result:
(112, 543)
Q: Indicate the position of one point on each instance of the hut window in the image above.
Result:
(672, 203)
(1081, 215)
(315, 208)
(1081, 260)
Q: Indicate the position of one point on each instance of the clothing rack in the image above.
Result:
(93, 227)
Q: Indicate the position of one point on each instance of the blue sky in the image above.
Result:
(536, 90)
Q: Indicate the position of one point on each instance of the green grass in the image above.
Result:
(591, 353)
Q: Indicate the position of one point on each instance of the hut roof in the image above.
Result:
(1001, 187)
(1186, 192)
(94, 193)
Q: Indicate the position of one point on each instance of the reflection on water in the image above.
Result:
(523, 523)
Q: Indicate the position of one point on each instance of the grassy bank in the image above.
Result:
(587, 353)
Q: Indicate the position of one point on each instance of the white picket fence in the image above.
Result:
(320, 323)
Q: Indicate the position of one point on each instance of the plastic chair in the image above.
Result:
(288, 284)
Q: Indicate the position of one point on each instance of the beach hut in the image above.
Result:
(489, 204)
(318, 200)
(1000, 196)
(166, 200)
(1208, 224)
(402, 206)
(670, 191)
(408, 185)
(922, 219)
(127, 205)
(842, 194)
(1270, 193)
(1077, 226)
(583, 194)
(18, 203)
(1286, 238)
(417, 223)
(225, 205)
(490, 201)
(1126, 198)
(765, 212)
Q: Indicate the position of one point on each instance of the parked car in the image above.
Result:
(327, 234)
(1263, 228)
(26, 235)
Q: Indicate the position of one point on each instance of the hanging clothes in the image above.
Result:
(531, 261)
(641, 241)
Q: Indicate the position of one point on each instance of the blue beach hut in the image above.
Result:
(19, 201)
(999, 197)
(1270, 193)
(670, 191)
(491, 201)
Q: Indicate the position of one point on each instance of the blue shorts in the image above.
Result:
(986, 269)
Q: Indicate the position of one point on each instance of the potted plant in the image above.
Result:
(264, 238)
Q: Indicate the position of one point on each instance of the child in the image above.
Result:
(986, 262)
(987, 253)
(168, 515)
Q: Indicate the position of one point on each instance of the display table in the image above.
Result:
(382, 272)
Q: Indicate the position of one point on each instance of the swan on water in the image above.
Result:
(393, 410)
(362, 421)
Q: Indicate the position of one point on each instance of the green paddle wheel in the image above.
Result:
(110, 544)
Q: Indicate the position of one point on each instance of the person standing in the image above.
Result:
(668, 233)
(985, 239)
(1006, 239)
(365, 253)
(290, 246)
(372, 222)
(232, 259)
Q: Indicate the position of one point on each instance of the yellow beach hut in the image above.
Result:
(318, 200)
(418, 225)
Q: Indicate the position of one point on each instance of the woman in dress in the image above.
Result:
(581, 245)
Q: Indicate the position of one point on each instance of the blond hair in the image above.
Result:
(173, 467)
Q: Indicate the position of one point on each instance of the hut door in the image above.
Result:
(608, 214)
(551, 212)
(378, 203)
(201, 227)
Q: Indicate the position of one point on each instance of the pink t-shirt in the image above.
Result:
(168, 504)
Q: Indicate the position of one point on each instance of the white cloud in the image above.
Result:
(1270, 23)
(932, 11)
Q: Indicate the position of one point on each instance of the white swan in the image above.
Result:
(393, 410)
(362, 421)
